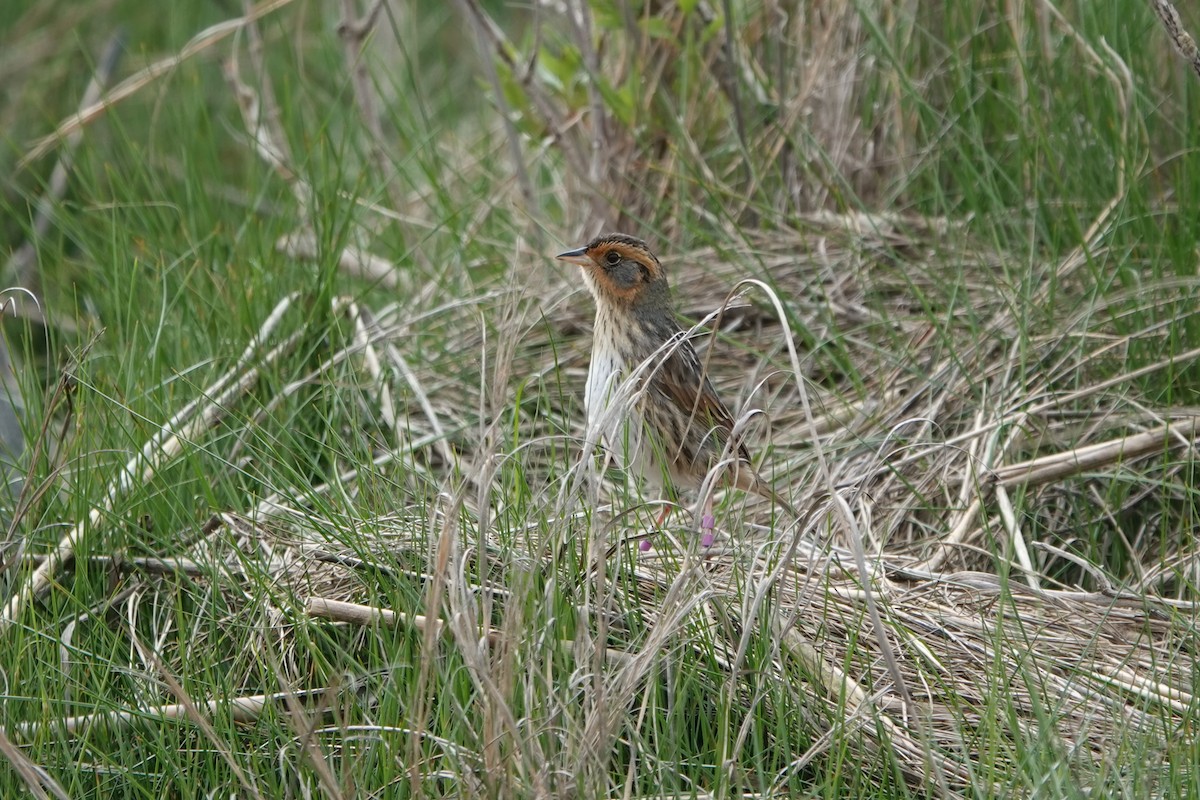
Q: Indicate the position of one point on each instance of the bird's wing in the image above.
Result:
(684, 381)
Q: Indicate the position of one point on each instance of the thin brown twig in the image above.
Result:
(302, 244)
(269, 141)
(499, 47)
(134, 83)
(149, 564)
(472, 13)
(1047, 469)
(18, 267)
(159, 450)
(579, 17)
(240, 709)
(1182, 41)
(354, 33)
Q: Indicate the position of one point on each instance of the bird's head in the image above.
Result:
(622, 273)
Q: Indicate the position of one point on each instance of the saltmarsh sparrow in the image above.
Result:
(647, 393)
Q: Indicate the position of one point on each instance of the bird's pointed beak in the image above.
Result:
(576, 256)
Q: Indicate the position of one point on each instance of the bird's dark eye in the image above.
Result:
(613, 258)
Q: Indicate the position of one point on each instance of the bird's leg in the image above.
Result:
(666, 512)
(708, 523)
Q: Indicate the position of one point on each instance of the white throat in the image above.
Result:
(606, 370)
(614, 413)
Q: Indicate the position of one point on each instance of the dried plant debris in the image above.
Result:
(929, 433)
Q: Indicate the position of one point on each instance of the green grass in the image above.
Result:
(964, 218)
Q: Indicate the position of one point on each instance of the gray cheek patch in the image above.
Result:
(625, 275)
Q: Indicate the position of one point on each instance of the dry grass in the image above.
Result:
(921, 429)
(964, 429)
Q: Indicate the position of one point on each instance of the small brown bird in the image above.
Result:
(669, 427)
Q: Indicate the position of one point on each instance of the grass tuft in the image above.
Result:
(303, 500)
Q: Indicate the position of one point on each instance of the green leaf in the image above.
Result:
(619, 101)
(656, 28)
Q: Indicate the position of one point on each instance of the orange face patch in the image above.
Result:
(599, 254)
(621, 270)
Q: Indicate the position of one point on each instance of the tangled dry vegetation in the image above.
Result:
(887, 600)
(942, 444)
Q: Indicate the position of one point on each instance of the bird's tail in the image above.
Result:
(746, 479)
